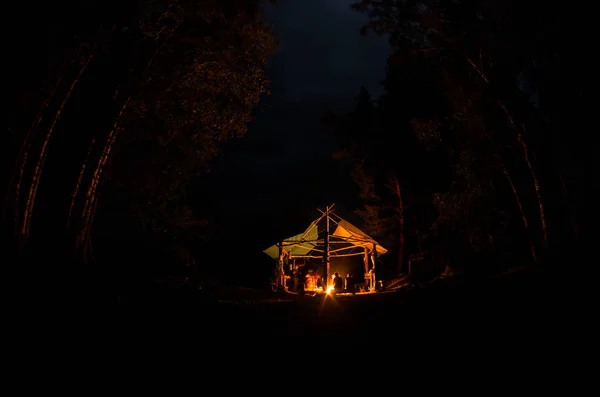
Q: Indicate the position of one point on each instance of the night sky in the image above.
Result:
(323, 56)
(272, 179)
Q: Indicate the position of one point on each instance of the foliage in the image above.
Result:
(168, 82)
(217, 79)
(456, 84)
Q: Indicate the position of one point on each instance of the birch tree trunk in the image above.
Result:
(401, 219)
(536, 182)
(78, 184)
(90, 204)
(22, 154)
(525, 154)
(523, 214)
(43, 154)
(91, 192)
(87, 239)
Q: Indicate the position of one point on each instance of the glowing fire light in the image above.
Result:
(329, 289)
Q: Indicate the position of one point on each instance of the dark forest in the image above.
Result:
(138, 133)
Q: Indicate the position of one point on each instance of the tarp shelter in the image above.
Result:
(298, 245)
(326, 237)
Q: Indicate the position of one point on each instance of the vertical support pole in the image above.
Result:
(326, 264)
(374, 278)
(280, 272)
(327, 250)
(366, 276)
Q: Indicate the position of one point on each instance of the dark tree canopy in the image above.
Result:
(467, 130)
(119, 110)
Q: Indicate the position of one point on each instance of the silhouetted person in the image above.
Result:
(301, 280)
(338, 283)
(296, 280)
(350, 284)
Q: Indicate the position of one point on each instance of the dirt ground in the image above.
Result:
(505, 312)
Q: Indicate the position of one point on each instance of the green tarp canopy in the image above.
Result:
(298, 245)
(356, 237)
(343, 231)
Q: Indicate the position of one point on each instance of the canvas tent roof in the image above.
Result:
(356, 236)
(298, 245)
(305, 244)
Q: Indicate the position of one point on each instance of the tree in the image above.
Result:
(479, 54)
(380, 165)
(139, 98)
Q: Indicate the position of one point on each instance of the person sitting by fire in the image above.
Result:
(310, 281)
(338, 283)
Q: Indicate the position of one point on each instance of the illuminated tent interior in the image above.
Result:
(329, 244)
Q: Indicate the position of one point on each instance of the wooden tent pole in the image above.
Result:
(326, 265)
(281, 278)
(366, 263)
(374, 281)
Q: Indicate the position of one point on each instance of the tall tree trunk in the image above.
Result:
(525, 154)
(87, 245)
(35, 181)
(78, 184)
(536, 182)
(523, 215)
(88, 212)
(398, 192)
(22, 154)
(90, 198)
